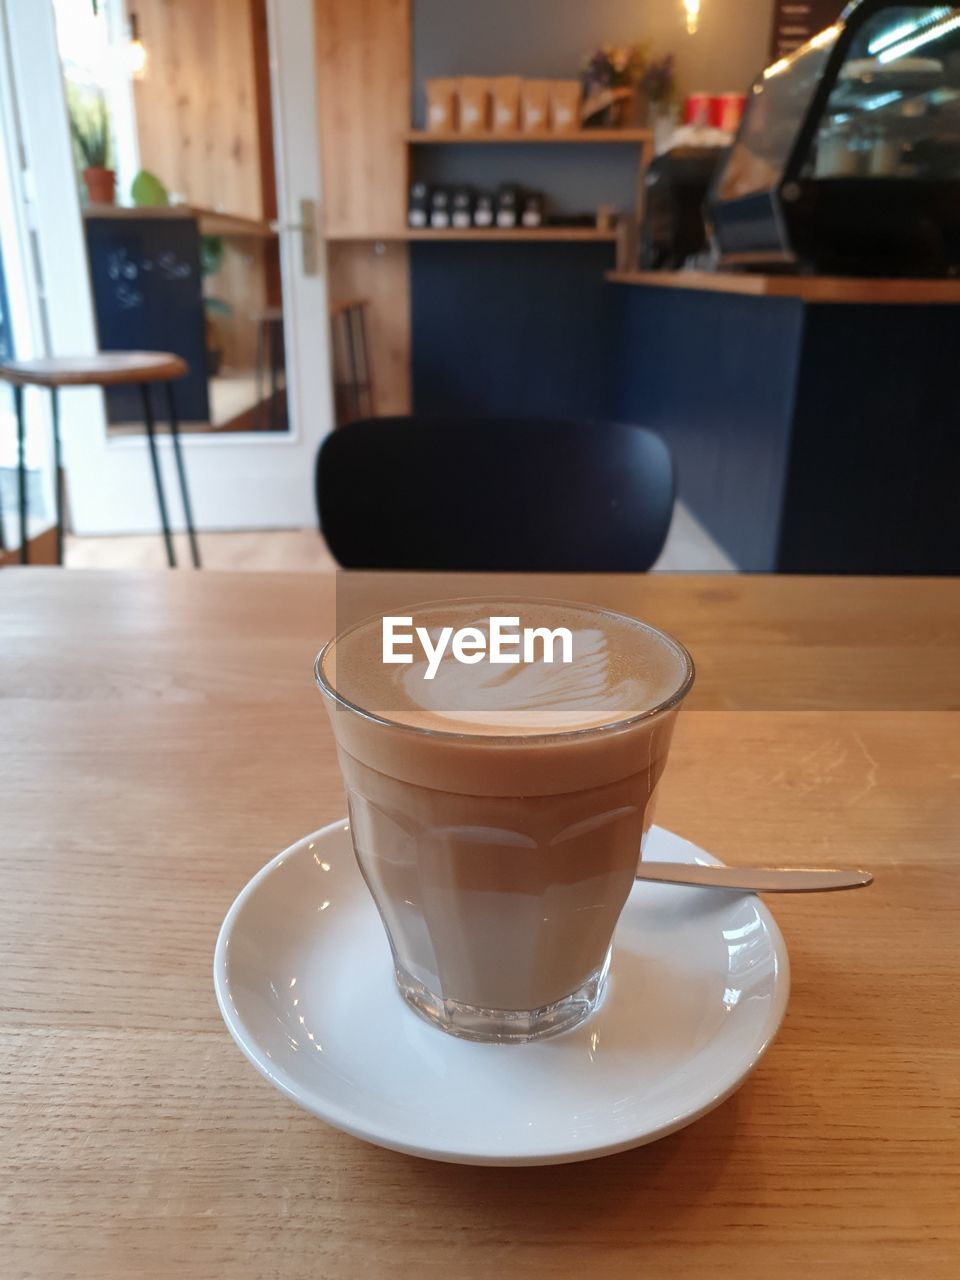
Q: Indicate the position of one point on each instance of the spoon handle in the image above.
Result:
(754, 879)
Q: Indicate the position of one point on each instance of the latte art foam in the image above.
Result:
(525, 696)
(620, 669)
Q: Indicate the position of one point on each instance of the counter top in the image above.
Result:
(835, 289)
(213, 222)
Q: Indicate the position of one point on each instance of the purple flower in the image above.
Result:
(657, 79)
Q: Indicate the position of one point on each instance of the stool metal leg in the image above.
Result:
(57, 491)
(339, 382)
(273, 373)
(352, 360)
(259, 375)
(157, 478)
(181, 472)
(21, 473)
(364, 354)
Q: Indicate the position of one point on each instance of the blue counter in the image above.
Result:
(812, 434)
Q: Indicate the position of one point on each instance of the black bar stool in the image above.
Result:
(105, 369)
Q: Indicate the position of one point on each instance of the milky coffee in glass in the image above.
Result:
(497, 811)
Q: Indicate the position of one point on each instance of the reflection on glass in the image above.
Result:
(893, 112)
(778, 103)
(175, 173)
(895, 109)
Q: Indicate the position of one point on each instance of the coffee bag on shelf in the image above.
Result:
(505, 96)
(535, 106)
(473, 96)
(441, 105)
(564, 106)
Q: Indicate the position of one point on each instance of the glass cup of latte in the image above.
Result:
(501, 759)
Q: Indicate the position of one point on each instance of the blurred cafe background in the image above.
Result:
(664, 284)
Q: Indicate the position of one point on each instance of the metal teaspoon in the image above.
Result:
(754, 879)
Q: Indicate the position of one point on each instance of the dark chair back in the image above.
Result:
(494, 495)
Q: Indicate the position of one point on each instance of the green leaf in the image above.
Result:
(212, 250)
(147, 190)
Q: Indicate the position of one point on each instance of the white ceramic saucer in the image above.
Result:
(303, 974)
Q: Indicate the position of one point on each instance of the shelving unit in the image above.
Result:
(474, 233)
(424, 137)
(641, 139)
(371, 149)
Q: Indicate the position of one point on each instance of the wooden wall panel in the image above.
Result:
(241, 283)
(204, 127)
(363, 99)
(269, 249)
(197, 106)
(357, 270)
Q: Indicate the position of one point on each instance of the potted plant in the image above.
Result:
(90, 126)
(609, 78)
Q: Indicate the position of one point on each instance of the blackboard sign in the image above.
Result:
(148, 296)
(795, 21)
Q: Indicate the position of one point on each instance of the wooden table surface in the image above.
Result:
(160, 739)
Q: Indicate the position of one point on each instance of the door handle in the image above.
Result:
(307, 227)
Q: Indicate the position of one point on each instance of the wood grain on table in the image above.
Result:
(160, 739)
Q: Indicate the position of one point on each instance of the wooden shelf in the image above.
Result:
(586, 234)
(427, 137)
(824, 289)
(212, 222)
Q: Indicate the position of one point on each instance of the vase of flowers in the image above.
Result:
(609, 78)
(658, 88)
(658, 83)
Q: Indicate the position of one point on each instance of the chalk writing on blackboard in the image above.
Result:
(171, 268)
(123, 270)
(122, 267)
(127, 298)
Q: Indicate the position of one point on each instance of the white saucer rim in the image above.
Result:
(346, 1121)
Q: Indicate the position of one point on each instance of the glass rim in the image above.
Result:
(553, 735)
